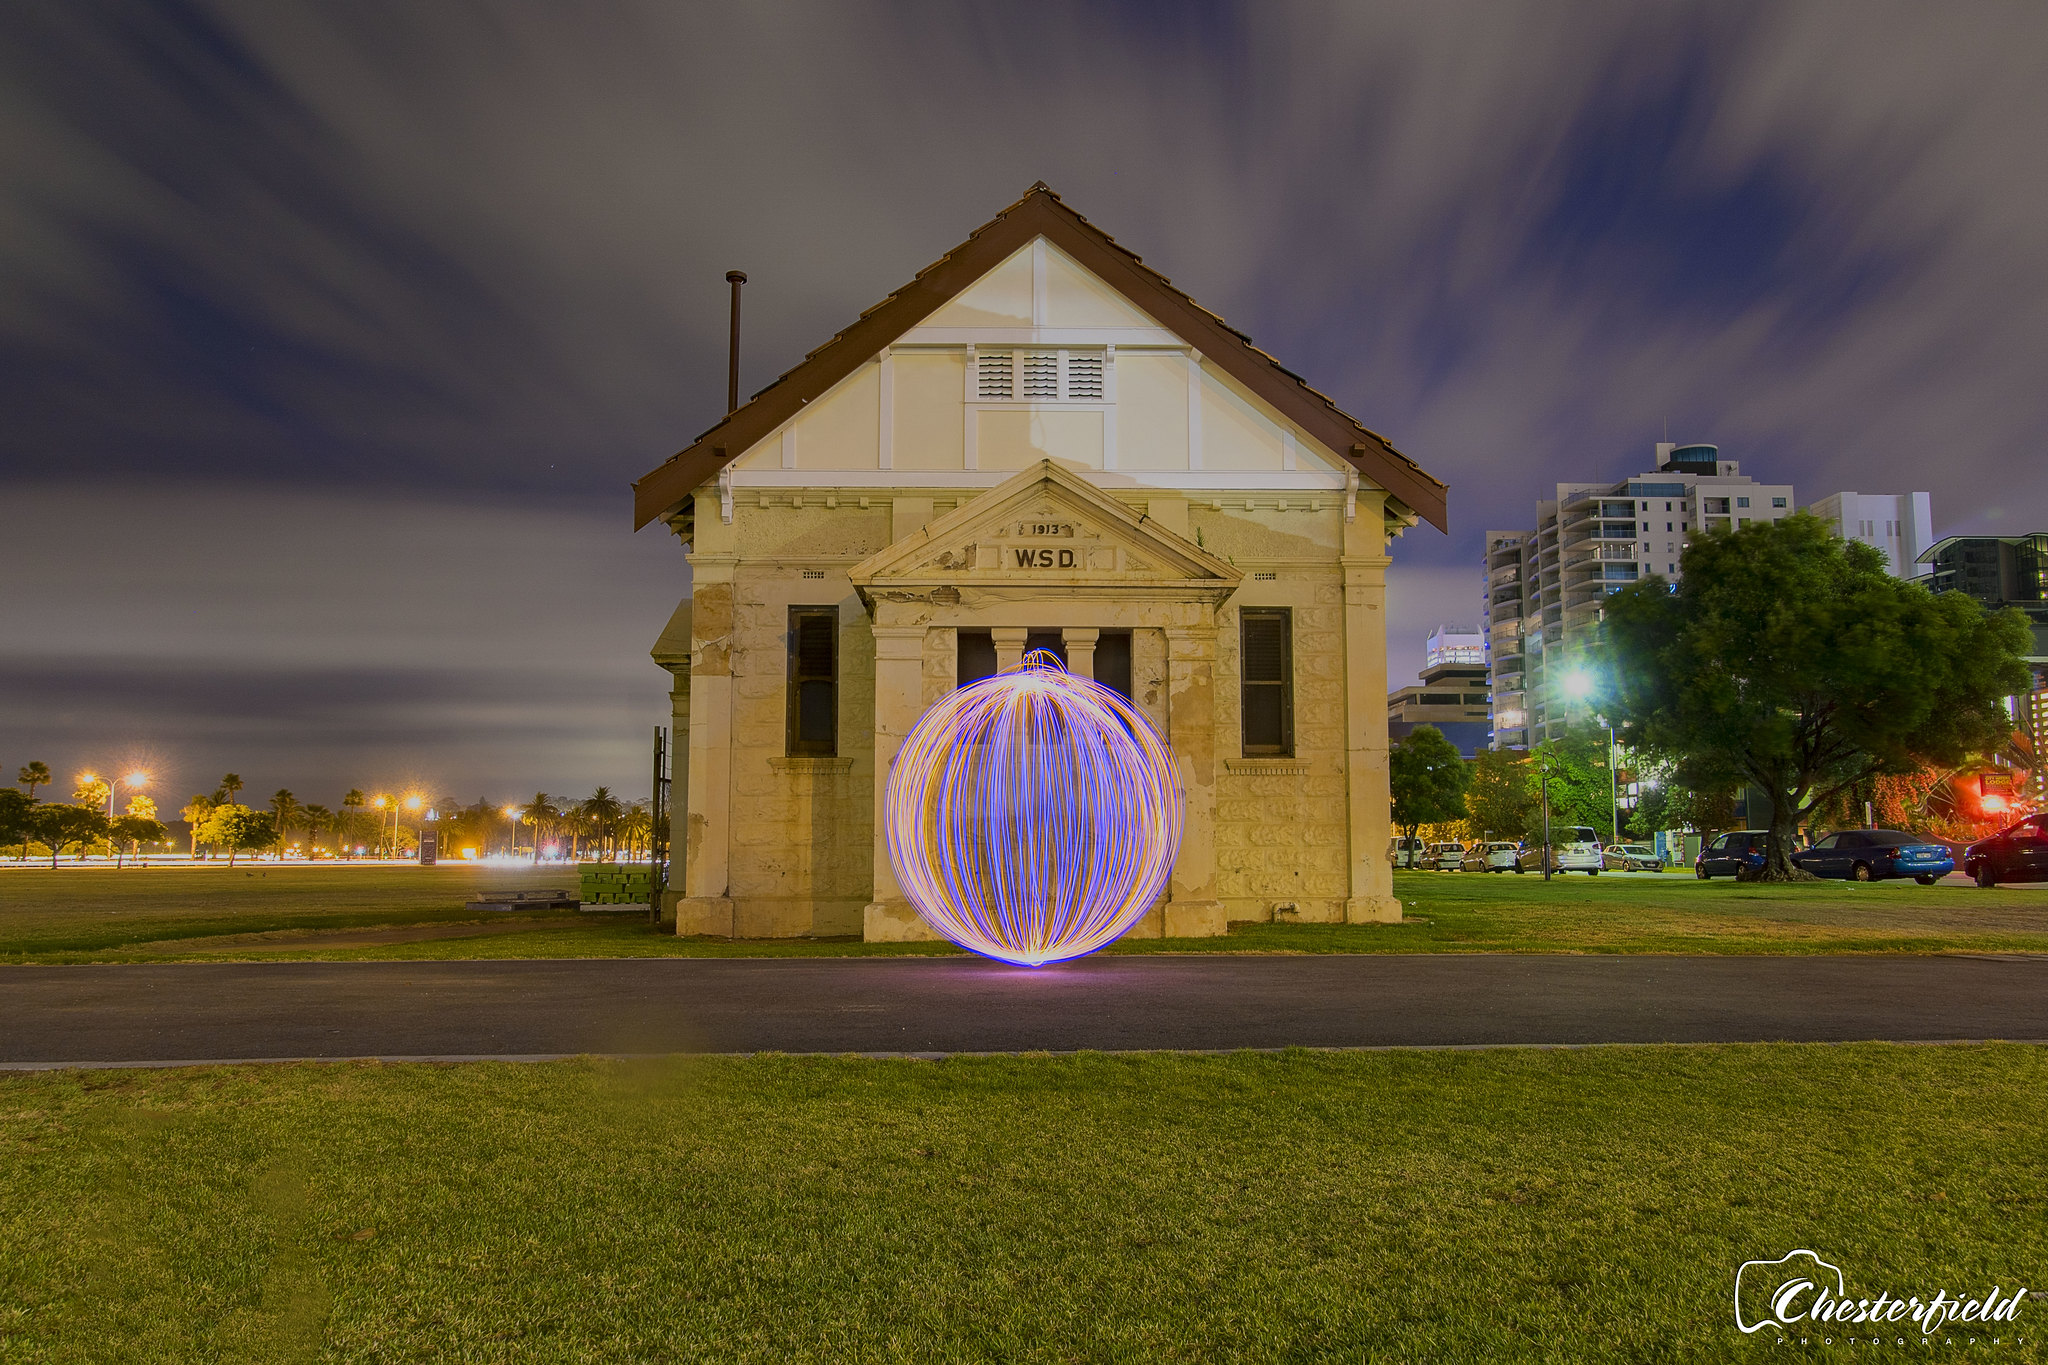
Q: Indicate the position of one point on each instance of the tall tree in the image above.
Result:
(1788, 658)
(351, 817)
(194, 815)
(1428, 778)
(58, 827)
(316, 818)
(229, 785)
(284, 808)
(132, 831)
(601, 812)
(33, 775)
(14, 818)
(540, 815)
(240, 829)
(1502, 797)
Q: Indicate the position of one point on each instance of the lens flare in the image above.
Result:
(1034, 816)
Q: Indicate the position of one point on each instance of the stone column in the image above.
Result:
(678, 785)
(1192, 908)
(1009, 647)
(1370, 800)
(899, 701)
(702, 835)
(1080, 644)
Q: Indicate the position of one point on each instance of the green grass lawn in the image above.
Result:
(298, 912)
(1400, 1206)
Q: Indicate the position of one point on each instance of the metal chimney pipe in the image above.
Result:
(735, 278)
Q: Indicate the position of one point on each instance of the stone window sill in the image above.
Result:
(1267, 767)
(810, 765)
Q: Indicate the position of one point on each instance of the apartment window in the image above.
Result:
(1266, 665)
(1777, 502)
(1742, 502)
(814, 681)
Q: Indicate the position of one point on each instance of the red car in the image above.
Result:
(2019, 854)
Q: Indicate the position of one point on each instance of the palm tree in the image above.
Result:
(194, 815)
(352, 813)
(315, 818)
(635, 825)
(541, 815)
(32, 775)
(603, 811)
(229, 785)
(287, 807)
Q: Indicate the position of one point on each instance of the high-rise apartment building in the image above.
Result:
(1452, 694)
(1899, 524)
(2005, 571)
(1545, 588)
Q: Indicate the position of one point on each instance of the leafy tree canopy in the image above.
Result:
(1789, 658)
(1428, 777)
(58, 826)
(1502, 798)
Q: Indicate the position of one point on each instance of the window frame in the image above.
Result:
(794, 744)
(1285, 684)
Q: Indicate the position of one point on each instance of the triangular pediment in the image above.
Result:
(1046, 527)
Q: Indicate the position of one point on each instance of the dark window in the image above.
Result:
(977, 658)
(1113, 662)
(1267, 659)
(1891, 838)
(1828, 842)
(1854, 841)
(814, 680)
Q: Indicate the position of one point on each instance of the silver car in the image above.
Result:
(1444, 857)
(1574, 848)
(1631, 858)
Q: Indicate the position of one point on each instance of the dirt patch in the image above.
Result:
(297, 940)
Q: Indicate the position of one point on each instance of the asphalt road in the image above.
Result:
(250, 1011)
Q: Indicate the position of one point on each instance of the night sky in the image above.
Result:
(332, 335)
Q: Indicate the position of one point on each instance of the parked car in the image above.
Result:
(2018, 854)
(1869, 855)
(1444, 857)
(1406, 852)
(1726, 855)
(1574, 848)
(1631, 858)
(1494, 857)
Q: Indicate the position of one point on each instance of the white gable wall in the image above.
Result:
(923, 410)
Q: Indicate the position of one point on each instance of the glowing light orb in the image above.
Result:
(1034, 816)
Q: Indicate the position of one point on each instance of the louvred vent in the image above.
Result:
(1041, 377)
(1084, 376)
(993, 374)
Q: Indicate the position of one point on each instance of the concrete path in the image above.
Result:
(248, 1011)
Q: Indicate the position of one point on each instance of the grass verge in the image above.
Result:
(1505, 1205)
(300, 913)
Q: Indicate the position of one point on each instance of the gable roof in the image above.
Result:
(1039, 213)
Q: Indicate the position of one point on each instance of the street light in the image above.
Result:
(1579, 686)
(512, 814)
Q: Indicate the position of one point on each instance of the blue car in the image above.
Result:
(1872, 855)
(1731, 854)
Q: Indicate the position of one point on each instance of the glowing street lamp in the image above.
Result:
(1579, 685)
(512, 814)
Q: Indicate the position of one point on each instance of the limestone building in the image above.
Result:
(1037, 443)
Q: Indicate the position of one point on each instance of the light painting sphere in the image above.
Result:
(1033, 816)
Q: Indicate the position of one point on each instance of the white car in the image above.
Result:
(1405, 852)
(1495, 857)
(1574, 848)
(1444, 857)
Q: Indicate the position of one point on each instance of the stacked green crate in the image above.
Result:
(616, 884)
